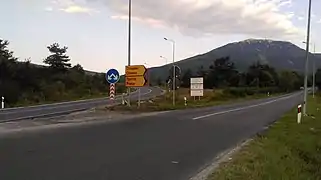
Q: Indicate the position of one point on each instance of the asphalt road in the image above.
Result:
(168, 146)
(12, 114)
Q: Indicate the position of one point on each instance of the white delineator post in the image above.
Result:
(299, 114)
(185, 100)
(112, 91)
(122, 99)
(2, 102)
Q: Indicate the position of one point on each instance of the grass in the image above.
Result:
(163, 103)
(288, 151)
(64, 99)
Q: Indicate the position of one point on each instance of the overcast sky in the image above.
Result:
(96, 30)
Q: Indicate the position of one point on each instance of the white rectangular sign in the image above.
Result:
(197, 92)
(197, 80)
(197, 86)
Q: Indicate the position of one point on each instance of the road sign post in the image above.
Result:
(112, 77)
(135, 76)
(197, 87)
(112, 90)
(2, 102)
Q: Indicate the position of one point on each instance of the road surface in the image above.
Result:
(12, 114)
(168, 146)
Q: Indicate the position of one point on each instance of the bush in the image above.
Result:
(249, 91)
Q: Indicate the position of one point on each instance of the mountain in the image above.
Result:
(281, 55)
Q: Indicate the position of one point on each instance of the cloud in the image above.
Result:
(261, 18)
(71, 6)
(78, 9)
(49, 9)
(300, 18)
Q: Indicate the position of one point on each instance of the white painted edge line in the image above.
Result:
(62, 103)
(246, 107)
(66, 104)
(54, 113)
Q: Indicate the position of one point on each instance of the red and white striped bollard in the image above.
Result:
(112, 91)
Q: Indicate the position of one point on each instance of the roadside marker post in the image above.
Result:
(2, 102)
(185, 99)
(122, 99)
(299, 114)
(112, 90)
(112, 77)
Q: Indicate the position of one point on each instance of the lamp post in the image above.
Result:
(166, 85)
(164, 59)
(174, 76)
(307, 60)
(129, 41)
(313, 70)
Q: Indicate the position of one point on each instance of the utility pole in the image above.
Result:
(313, 70)
(174, 75)
(129, 41)
(307, 61)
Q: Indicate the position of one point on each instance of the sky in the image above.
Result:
(96, 31)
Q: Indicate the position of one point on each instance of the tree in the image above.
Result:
(5, 53)
(260, 75)
(187, 78)
(222, 73)
(8, 86)
(78, 68)
(58, 58)
(288, 81)
(318, 78)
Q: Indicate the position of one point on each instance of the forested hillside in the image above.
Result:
(222, 73)
(280, 55)
(23, 83)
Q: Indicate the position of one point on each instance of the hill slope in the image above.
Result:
(279, 54)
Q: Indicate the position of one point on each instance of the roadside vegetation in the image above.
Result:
(210, 98)
(287, 151)
(24, 83)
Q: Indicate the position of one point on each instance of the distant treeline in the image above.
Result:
(23, 83)
(223, 74)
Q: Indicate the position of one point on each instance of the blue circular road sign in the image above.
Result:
(112, 76)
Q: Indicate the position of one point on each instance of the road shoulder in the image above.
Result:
(83, 118)
(288, 150)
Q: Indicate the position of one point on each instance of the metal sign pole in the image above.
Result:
(2, 102)
(138, 97)
(129, 42)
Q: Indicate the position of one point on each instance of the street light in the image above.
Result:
(307, 59)
(164, 58)
(129, 40)
(174, 77)
(313, 69)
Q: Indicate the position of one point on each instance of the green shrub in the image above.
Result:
(249, 91)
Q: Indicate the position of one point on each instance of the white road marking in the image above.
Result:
(246, 107)
(64, 104)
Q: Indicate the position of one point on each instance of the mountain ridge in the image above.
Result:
(282, 55)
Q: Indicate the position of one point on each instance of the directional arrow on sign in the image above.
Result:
(112, 77)
(135, 70)
(138, 81)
